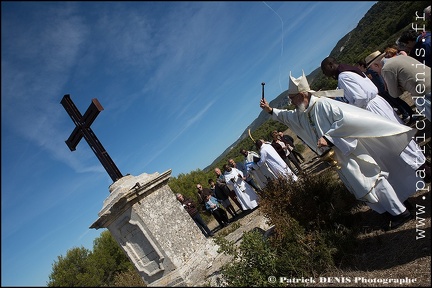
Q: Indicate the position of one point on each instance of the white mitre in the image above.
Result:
(297, 85)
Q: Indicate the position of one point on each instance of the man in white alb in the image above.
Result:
(269, 156)
(352, 133)
(246, 195)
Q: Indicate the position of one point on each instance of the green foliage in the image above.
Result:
(104, 266)
(108, 257)
(323, 198)
(73, 270)
(186, 183)
(128, 278)
(251, 267)
(226, 246)
(380, 27)
(311, 232)
(315, 210)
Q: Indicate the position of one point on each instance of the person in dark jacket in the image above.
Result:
(290, 140)
(221, 192)
(220, 179)
(202, 193)
(191, 208)
(417, 45)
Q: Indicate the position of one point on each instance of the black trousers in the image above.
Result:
(221, 217)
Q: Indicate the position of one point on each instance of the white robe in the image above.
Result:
(356, 134)
(363, 93)
(262, 174)
(277, 165)
(245, 193)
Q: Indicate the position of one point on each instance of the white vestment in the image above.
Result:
(363, 93)
(356, 134)
(245, 193)
(277, 165)
(259, 174)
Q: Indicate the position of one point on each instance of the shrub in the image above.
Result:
(315, 202)
(312, 229)
(253, 263)
(128, 278)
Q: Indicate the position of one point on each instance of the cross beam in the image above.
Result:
(83, 129)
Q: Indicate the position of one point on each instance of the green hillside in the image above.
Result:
(379, 28)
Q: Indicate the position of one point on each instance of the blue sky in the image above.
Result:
(179, 82)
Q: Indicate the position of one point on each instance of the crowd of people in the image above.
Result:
(240, 182)
(368, 130)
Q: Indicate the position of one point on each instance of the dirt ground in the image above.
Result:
(395, 258)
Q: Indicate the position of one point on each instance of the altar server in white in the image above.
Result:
(269, 156)
(246, 195)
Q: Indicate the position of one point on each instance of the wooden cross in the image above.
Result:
(83, 129)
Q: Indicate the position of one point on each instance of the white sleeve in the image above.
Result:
(353, 92)
(263, 158)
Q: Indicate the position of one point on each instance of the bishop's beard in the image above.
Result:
(301, 107)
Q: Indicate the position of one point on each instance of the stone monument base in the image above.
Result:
(155, 231)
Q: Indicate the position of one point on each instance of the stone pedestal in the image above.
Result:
(158, 235)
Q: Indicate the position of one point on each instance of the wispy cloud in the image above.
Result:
(35, 75)
(178, 133)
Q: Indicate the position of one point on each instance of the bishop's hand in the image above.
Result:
(265, 105)
(322, 142)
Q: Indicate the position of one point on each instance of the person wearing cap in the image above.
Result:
(402, 73)
(362, 92)
(356, 136)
